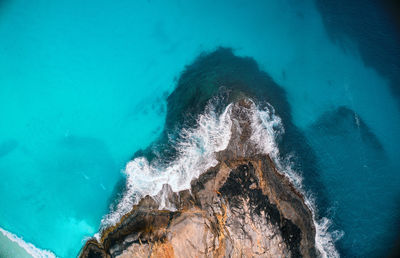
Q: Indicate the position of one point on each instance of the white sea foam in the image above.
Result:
(28, 247)
(324, 239)
(267, 127)
(196, 153)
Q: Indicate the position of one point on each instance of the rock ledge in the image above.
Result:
(242, 207)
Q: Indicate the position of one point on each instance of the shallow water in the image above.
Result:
(83, 87)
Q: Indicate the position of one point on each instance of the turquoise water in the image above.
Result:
(83, 86)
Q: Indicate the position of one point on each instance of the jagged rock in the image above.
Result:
(242, 207)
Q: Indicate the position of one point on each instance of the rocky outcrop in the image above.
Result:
(242, 207)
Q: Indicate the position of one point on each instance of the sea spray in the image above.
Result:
(197, 148)
(28, 247)
(196, 153)
(267, 128)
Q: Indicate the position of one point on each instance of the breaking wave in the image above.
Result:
(197, 150)
(28, 247)
(267, 127)
(196, 153)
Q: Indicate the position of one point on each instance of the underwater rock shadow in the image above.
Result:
(222, 75)
(344, 120)
(339, 133)
(375, 28)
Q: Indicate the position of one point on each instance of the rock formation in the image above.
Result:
(242, 207)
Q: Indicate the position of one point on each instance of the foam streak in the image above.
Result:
(28, 247)
(267, 127)
(196, 154)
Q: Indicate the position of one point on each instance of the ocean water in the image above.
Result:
(83, 86)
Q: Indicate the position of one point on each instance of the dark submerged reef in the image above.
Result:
(374, 25)
(345, 127)
(222, 75)
(241, 207)
(342, 121)
(242, 177)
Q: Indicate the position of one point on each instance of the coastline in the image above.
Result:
(223, 110)
(13, 246)
(213, 200)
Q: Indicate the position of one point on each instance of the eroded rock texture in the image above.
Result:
(242, 207)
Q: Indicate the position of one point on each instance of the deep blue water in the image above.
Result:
(83, 87)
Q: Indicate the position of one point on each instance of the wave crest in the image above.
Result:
(197, 150)
(28, 247)
(267, 127)
(196, 153)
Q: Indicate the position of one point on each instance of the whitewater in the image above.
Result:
(197, 148)
(28, 247)
(84, 86)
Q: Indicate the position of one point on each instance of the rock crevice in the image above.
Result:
(242, 207)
